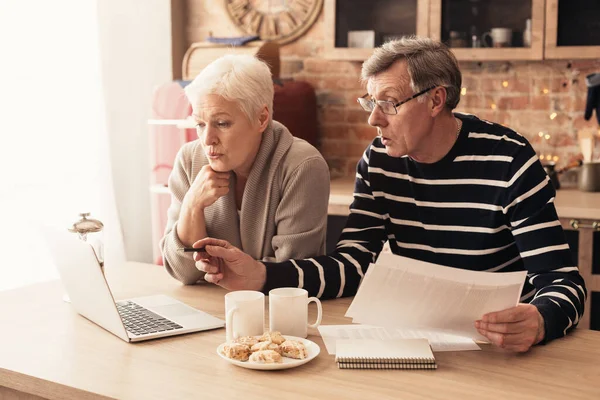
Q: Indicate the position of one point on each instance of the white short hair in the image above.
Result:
(241, 78)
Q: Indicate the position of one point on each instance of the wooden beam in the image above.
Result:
(179, 42)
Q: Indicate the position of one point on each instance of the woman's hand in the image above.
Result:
(207, 188)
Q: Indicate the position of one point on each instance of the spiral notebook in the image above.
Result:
(384, 354)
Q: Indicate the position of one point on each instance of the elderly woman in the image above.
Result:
(246, 179)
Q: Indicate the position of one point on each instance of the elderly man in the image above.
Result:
(441, 187)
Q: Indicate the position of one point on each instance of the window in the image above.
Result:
(53, 144)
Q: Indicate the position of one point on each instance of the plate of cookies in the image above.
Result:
(269, 352)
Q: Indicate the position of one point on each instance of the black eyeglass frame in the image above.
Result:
(376, 102)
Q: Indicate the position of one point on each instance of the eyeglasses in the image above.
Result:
(387, 107)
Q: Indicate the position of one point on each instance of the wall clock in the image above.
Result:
(277, 20)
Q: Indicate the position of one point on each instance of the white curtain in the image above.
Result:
(54, 160)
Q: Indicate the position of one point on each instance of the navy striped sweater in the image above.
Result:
(488, 205)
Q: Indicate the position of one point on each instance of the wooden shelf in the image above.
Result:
(179, 123)
(160, 189)
(462, 54)
(347, 54)
(496, 54)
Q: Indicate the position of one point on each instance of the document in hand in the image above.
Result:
(399, 292)
(439, 341)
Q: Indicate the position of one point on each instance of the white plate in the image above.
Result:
(312, 349)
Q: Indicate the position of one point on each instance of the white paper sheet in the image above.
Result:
(399, 292)
(438, 341)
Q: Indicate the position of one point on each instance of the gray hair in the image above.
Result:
(240, 78)
(429, 62)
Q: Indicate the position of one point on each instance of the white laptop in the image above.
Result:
(132, 320)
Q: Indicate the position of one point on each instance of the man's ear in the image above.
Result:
(263, 118)
(438, 100)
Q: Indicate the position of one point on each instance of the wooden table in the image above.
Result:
(49, 351)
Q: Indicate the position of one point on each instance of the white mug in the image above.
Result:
(244, 314)
(501, 37)
(288, 311)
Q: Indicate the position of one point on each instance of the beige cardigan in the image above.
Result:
(284, 207)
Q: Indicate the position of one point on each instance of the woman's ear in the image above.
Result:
(263, 118)
(438, 100)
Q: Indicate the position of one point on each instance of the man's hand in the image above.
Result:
(516, 329)
(228, 266)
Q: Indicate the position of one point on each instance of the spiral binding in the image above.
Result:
(385, 363)
(375, 365)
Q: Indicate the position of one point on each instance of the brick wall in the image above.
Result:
(521, 95)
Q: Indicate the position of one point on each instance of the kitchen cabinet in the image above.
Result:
(572, 29)
(539, 29)
(583, 236)
(463, 24)
(370, 23)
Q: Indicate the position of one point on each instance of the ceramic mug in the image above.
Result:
(244, 314)
(589, 177)
(288, 311)
(500, 37)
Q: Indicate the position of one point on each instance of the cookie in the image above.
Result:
(266, 357)
(274, 337)
(236, 351)
(293, 349)
(265, 346)
(247, 340)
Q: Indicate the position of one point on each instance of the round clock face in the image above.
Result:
(277, 20)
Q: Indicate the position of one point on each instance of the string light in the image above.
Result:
(552, 116)
(463, 91)
(541, 134)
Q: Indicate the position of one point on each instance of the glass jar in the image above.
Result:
(90, 230)
(457, 39)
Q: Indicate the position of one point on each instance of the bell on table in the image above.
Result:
(90, 230)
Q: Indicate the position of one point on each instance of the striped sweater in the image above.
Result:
(487, 205)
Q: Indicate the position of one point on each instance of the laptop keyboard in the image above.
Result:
(141, 321)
